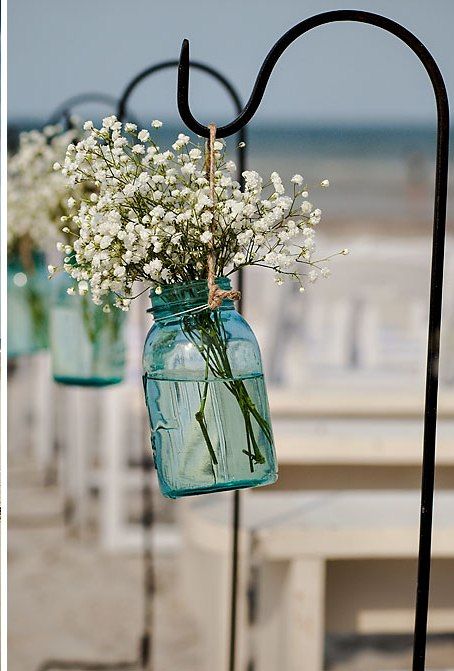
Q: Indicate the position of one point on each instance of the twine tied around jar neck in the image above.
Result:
(216, 295)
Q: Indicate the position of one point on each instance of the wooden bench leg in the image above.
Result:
(113, 471)
(305, 615)
(289, 629)
(42, 412)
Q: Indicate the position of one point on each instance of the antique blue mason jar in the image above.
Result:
(28, 305)
(87, 344)
(206, 395)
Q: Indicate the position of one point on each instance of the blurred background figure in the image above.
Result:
(328, 554)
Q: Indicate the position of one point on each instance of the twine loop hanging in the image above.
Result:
(216, 295)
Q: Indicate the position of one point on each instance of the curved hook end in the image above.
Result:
(183, 93)
(183, 71)
(184, 53)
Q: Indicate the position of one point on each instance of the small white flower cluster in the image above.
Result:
(152, 218)
(37, 195)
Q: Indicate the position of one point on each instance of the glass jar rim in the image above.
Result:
(184, 297)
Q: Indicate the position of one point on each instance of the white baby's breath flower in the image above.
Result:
(108, 121)
(156, 123)
(239, 259)
(183, 139)
(144, 135)
(324, 183)
(206, 237)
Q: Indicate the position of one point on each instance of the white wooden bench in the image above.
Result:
(288, 538)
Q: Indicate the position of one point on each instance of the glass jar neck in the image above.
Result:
(37, 259)
(177, 299)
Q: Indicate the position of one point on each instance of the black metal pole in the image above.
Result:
(146, 645)
(438, 243)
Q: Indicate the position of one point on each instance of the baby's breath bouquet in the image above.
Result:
(37, 195)
(152, 219)
(36, 201)
(171, 217)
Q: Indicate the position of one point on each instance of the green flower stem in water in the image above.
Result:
(96, 322)
(206, 332)
(200, 417)
(38, 312)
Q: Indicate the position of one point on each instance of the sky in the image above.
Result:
(343, 73)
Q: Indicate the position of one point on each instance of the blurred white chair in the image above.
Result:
(30, 411)
(369, 320)
(447, 333)
(118, 477)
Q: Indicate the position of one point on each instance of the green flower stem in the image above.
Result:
(200, 417)
(96, 323)
(207, 333)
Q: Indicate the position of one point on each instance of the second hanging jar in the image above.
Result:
(87, 343)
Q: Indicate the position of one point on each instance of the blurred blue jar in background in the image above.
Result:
(87, 343)
(28, 304)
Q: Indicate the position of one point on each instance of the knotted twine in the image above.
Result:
(216, 295)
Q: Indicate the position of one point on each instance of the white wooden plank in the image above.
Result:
(344, 400)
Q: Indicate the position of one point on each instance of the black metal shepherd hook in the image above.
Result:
(144, 660)
(241, 166)
(65, 109)
(436, 286)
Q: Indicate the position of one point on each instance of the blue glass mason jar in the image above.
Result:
(87, 344)
(28, 305)
(206, 395)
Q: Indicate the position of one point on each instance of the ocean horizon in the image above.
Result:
(375, 170)
(348, 139)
